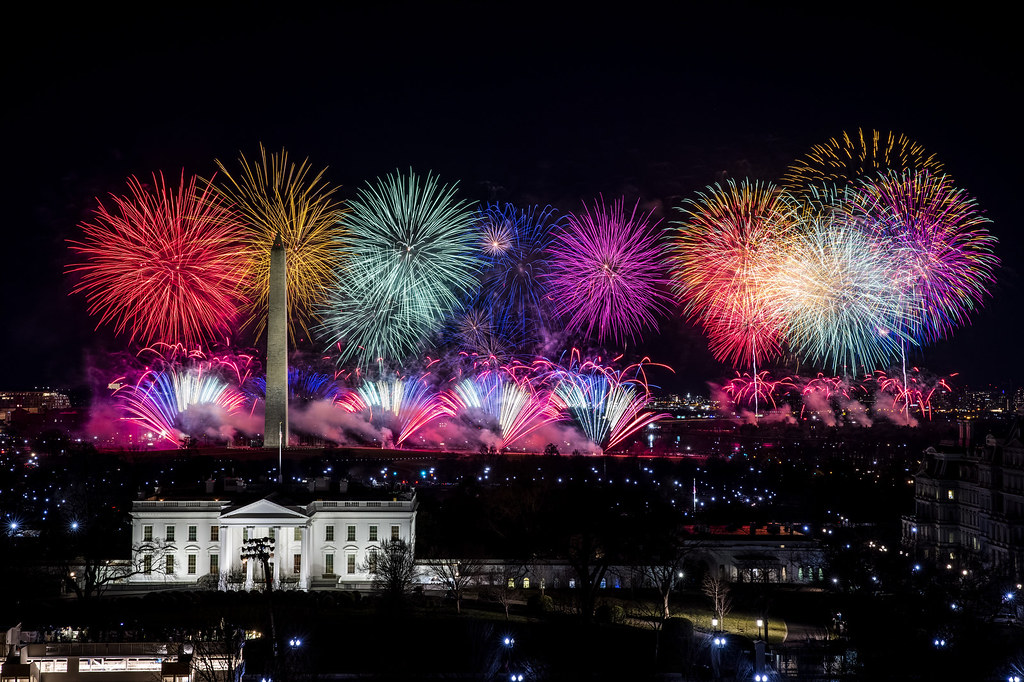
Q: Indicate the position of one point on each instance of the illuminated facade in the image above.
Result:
(326, 543)
(969, 505)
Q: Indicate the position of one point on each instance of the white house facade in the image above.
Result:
(324, 543)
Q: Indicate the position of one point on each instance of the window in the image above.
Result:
(147, 564)
(329, 564)
(394, 532)
(191, 564)
(192, 533)
(949, 494)
(297, 535)
(147, 533)
(604, 583)
(371, 561)
(273, 534)
(214, 533)
(245, 534)
(526, 583)
(511, 583)
(350, 561)
(350, 534)
(297, 564)
(373, 533)
(329, 533)
(214, 564)
(169, 565)
(169, 535)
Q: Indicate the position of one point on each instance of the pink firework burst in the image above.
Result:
(606, 272)
(163, 265)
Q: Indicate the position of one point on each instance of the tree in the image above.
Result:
(662, 563)
(551, 450)
(392, 565)
(455, 575)
(505, 580)
(717, 590)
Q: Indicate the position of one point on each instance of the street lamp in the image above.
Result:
(714, 624)
(760, 624)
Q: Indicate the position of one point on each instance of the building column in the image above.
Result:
(224, 554)
(248, 567)
(305, 552)
(278, 543)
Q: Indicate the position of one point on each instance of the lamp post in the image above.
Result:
(760, 624)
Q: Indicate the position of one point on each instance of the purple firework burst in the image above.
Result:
(606, 272)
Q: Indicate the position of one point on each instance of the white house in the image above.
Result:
(323, 543)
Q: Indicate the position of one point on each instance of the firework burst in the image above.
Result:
(727, 251)
(512, 289)
(277, 197)
(606, 272)
(409, 264)
(849, 157)
(163, 265)
(836, 293)
(941, 252)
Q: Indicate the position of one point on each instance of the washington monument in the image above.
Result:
(275, 426)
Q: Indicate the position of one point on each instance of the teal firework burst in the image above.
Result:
(410, 260)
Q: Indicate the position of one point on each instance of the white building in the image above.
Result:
(324, 543)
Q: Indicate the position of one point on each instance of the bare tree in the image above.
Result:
(506, 580)
(717, 590)
(455, 575)
(664, 566)
(392, 566)
(87, 574)
(216, 653)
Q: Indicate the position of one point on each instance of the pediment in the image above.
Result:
(262, 511)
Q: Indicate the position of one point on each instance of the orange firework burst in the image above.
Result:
(278, 197)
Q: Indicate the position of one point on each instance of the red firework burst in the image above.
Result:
(162, 265)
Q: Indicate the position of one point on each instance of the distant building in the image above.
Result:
(328, 541)
(31, 402)
(77, 661)
(969, 505)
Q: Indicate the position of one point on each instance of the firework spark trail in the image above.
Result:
(753, 389)
(160, 397)
(405, 404)
(847, 158)
(163, 265)
(410, 261)
(916, 390)
(607, 273)
(514, 405)
(726, 251)
(941, 251)
(304, 386)
(278, 197)
(608, 406)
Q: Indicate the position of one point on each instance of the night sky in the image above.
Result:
(517, 104)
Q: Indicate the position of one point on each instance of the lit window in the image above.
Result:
(373, 533)
(511, 583)
(298, 534)
(949, 494)
(329, 564)
(214, 564)
(191, 564)
(245, 534)
(214, 533)
(297, 564)
(147, 533)
(192, 533)
(372, 561)
(351, 534)
(169, 565)
(394, 532)
(169, 535)
(329, 534)
(273, 534)
(350, 563)
(526, 583)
